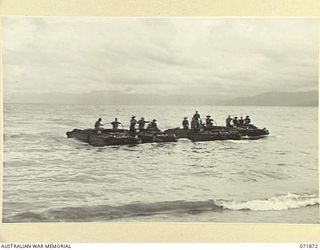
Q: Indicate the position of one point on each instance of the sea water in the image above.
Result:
(48, 177)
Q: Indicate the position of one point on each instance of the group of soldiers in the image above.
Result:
(197, 124)
(237, 122)
(98, 126)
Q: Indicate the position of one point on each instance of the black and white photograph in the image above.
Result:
(160, 119)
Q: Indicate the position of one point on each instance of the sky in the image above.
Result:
(222, 57)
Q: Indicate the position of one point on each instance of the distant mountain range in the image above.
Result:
(309, 98)
(111, 98)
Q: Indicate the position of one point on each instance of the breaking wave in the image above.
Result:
(281, 202)
(107, 213)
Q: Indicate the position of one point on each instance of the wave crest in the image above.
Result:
(107, 213)
(281, 202)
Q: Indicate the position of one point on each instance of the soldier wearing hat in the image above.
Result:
(247, 120)
(142, 122)
(133, 123)
(153, 124)
(196, 116)
(209, 122)
(185, 123)
(235, 121)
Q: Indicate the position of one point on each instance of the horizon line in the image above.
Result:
(157, 104)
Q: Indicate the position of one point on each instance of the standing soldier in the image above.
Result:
(228, 121)
(98, 126)
(235, 121)
(196, 116)
(142, 123)
(133, 123)
(247, 120)
(185, 123)
(115, 124)
(241, 121)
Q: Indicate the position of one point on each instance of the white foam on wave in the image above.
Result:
(283, 202)
(239, 141)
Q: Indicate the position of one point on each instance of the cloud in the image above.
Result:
(220, 56)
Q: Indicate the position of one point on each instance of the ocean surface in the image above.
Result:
(50, 178)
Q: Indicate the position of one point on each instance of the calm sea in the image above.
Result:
(48, 177)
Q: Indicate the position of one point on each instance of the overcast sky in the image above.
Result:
(219, 56)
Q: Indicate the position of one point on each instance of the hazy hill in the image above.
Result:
(118, 98)
(111, 98)
(309, 98)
